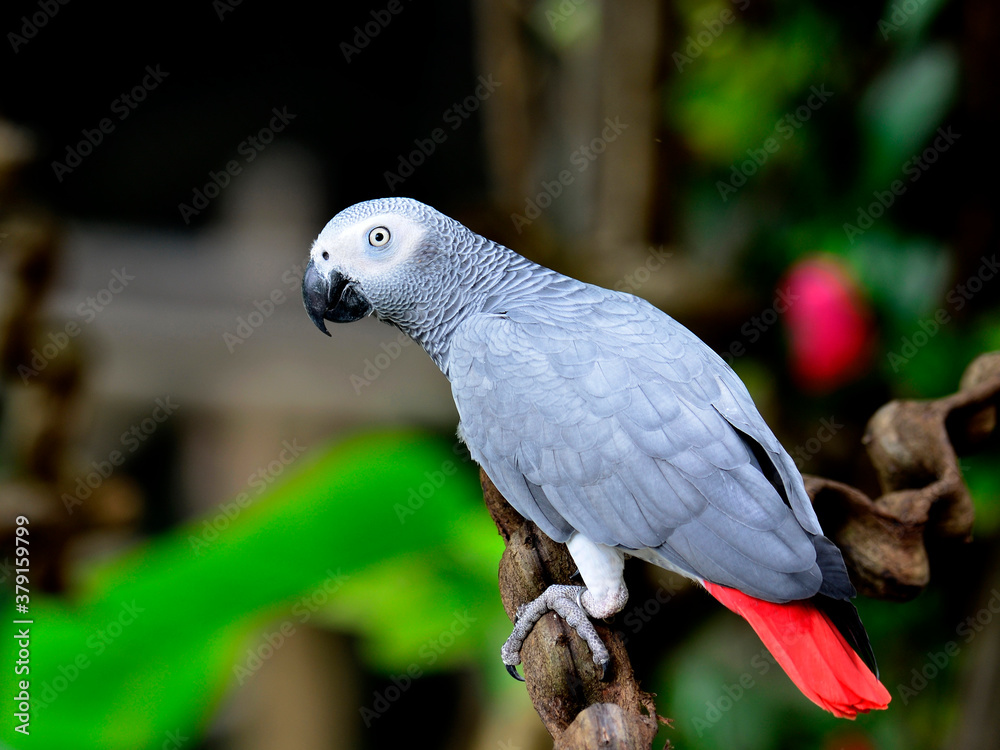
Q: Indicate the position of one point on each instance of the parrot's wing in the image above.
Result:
(606, 417)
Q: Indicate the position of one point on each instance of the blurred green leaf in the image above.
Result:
(905, 22)
(566, 24)
(900, 110)
(149, 644)
(907, 277)
(732, 88)
(725, 690)
(982, 475)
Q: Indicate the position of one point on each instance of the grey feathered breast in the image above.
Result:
(594, 412)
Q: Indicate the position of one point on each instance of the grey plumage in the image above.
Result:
(592, 411)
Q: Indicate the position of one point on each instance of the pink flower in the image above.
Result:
(830, 331)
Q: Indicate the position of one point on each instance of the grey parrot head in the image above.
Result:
(395, 258)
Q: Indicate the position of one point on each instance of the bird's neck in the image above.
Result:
(492, 281)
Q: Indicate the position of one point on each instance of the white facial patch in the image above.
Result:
(362, 247)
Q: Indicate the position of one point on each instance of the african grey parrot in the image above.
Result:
(613, 428)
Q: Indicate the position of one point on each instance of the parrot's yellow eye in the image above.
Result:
(378, 236)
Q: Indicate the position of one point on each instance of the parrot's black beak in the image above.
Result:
(335, 298)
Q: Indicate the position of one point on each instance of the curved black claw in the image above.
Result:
(512, 671)
(565, 601)
(604, 672)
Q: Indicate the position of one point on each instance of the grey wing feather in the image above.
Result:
(594, 412)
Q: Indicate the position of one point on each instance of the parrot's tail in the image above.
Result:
(812, 651)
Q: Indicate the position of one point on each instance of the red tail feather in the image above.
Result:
(812, 652)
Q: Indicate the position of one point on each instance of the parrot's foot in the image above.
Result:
(565, 601)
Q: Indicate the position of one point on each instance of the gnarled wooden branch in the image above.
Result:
(913, 446)
(578, 709)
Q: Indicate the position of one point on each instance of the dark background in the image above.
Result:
(564, 68)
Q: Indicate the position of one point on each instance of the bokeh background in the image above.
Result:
(246, 535)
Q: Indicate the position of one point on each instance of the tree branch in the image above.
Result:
(913, 446)
(578, 709)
